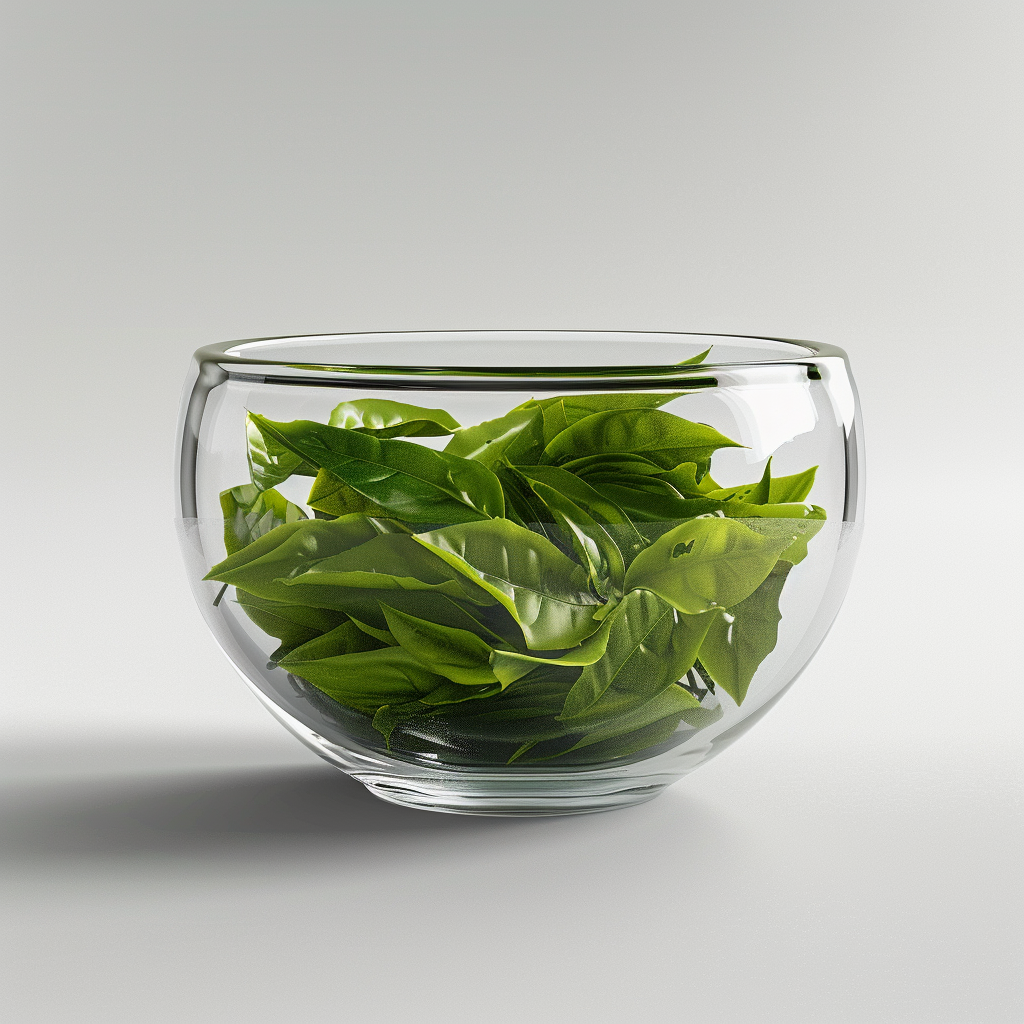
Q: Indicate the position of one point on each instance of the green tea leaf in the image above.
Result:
(292, 624)
(412, 482)
(515, 436)
(270, 462)
(705, 564)
(684, 478)
(667, 706)
(561, 412)
(694, 360)
(384, 418)
(332, 495)
(796, 522)
(250, 513)
(665, 439)
(544, 591)
(383, 635)
(524, 508)
(792, 488)
(511, 666)
(388, 562)
(753, 494)
(740, 639)
(650, 646)
(368, 679)
(457, 654)
(291, 548)
(346, 638)
(602, 534)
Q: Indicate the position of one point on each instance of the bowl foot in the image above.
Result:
(512, 797)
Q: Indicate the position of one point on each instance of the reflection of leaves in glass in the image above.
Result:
(542, 590)
(249, 513)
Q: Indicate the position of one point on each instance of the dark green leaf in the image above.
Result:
(384, 418)
(545, 591)
(457, 654)
(511, 666)
(368, 679)
(740, 639)
(346, 638)
(412, 482)
(383, 635)
(332, 495)
(602, 534)
(670, 703)
(250, 513)
(705, 564)
(292, 624)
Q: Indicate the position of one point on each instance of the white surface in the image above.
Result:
(193, 172)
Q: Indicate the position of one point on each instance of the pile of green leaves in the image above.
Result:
(565, 583)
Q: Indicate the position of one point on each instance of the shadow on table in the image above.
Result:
(207, 812)
(177, 807)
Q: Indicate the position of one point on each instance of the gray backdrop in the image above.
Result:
(186, 172)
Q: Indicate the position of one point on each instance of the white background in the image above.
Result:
(189, 172)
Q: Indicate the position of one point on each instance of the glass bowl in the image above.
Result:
(519, 572)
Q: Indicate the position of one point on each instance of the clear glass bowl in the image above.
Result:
(519, 572)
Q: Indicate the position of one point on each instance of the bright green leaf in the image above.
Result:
(792, 488)
(545, 591)
(270, 462)
(650, 646)
(665, 439)
(740, 639)
(384, 418)
(291, 548)
(705, 564)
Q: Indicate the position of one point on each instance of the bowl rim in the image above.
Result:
(235, 355)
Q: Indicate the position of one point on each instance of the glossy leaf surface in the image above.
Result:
(705, 564)
(665, 439)
(546, 592)
(517, 436)
(384, 418)
(412, 482)
(740, 639)
(650, 645)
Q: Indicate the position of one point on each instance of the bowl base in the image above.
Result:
(511, 797)
(488, 791)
